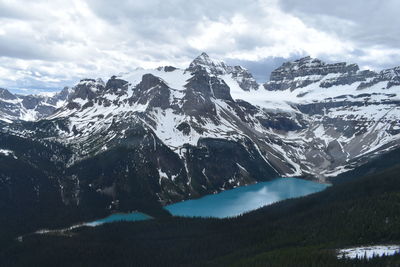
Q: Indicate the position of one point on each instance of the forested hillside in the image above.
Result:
(298, 232)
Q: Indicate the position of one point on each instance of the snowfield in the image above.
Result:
(368, 252)
(311, 118)
(6, 152)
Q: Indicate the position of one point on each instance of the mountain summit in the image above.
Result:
(151, 137)
(242, 76)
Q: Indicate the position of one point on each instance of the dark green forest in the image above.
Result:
(298, 232)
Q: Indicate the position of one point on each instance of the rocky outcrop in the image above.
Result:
(152, 91)
(347, 78)
(30, 107)
(116, 86)
(243, 77)
(6, 95)
(87, 89)
(390, 78)
(307, 70)
(204, 62)
(142, 140)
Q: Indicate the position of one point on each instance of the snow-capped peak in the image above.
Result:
(241, 75)
(211, 66)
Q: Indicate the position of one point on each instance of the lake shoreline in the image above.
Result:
(229, 203)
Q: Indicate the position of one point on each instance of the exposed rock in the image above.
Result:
(348, 78)
(305, 71)
(5, 94)
(244, 78)
(390, 77)
(87, 89)
(204, 62)
(116, 86)
(141, 141)
(167, 68)
(30, 107)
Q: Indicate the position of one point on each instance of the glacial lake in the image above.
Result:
(134, 216)
(243, 199)
(232, 202)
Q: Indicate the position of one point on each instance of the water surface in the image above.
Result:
(232, 202)
(243, 199)
(133, 216)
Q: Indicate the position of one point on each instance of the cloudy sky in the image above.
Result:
(45, 45)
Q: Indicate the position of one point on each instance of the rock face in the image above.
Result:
(152, 137)
(242, 76)
(391, 76)
(305, 71)
(354, 113)
(30, 107)
(6, 95)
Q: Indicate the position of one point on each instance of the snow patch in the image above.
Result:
(368, 252)
(8, 153)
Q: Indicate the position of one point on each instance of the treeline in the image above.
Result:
(30, 195)
(299, 232)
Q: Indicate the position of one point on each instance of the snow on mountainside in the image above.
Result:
(30, 107)
(242, 76)
(170, 134)
(358, 113)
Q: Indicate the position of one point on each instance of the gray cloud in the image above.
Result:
(10, 11)
(49, 44)
(24, 48)
(372, 22)
(181, 10)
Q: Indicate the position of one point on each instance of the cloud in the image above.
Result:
(372, 22)
(370, 26)
(49, 44)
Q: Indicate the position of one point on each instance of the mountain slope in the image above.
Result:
(30, 107)
(152, 137)
(297, 232)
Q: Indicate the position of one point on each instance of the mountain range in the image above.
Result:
(148, 138)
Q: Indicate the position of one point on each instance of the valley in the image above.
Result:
(227, 204)
(160, 141)
(199, 133)
(302, 232)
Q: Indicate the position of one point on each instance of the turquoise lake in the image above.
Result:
(243, 199)
(232, 202)
(134, 216)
